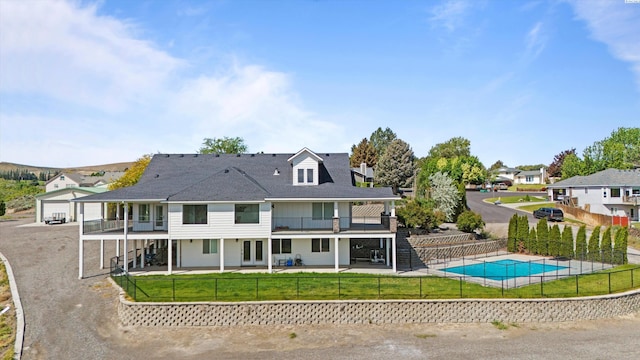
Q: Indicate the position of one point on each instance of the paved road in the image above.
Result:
(493, 213)
(67, 318)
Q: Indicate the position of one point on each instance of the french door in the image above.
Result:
(252, 252)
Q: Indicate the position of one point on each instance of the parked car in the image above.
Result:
(551, 214)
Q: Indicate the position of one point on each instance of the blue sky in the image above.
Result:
(84, 83)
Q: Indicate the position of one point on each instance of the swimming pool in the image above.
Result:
(503, 269)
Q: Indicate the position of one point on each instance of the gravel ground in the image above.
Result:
(67, 318)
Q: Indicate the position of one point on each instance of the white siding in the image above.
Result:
(309, 258)
(61, 182)
(305, 162)
(220, 224)
(286, 212)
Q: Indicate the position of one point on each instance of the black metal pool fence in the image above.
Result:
(345, 287)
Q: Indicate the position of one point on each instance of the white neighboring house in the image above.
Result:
(259, 210)
(610, 192)
(517, 176)
(64, 187)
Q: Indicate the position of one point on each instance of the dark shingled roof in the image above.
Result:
(246, 177)
(609, 177)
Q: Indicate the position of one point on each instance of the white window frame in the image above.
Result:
(209, 246)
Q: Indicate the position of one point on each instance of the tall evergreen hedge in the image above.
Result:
(620, 246)
(522, 233)
(566, 243)
(554, 240)
(533, 241)
(581, 243)
(594, 245)
(605, 246)
(543, 237)
(511, 237)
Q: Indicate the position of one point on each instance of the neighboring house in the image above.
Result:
(509, 176)
(64, 187)
(363, 173)
(260, 210)
(609, 192)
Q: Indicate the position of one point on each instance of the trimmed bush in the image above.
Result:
(469, 221)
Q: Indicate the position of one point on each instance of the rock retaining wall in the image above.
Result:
(377, 311)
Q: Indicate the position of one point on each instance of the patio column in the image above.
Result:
(145, 252)
(393, 252)
(221, 255)
(80, 243)
(101, 253)
(135, 253)
(393, 208)
(337, 255)
(179, 251)
(126, 237)
(387, 248)
(118, 247)
(270, 255)
(169, 256)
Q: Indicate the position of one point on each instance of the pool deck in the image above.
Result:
(571, 268)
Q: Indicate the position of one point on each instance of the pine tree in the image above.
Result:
(554, 240)
(395, 167)
(364, 152)
(566, 244)
(605, 246)
(581, 243)
(533, 241)
(594, 245)
(511, 237)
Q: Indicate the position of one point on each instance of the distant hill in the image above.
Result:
(7, 166)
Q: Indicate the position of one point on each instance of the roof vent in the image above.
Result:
(237, 155)
(226, 171)
(217, 155)
(273, 155)
(195, 155)
(253, 155)
(157, 176)
(166, 155)
(181, 155)
(276, 172)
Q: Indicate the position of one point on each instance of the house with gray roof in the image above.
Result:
(610, 192)
(224, 211)
(516, 176)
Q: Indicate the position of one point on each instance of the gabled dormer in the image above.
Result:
(305, 165)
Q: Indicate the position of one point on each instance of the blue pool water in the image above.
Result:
(503, 269)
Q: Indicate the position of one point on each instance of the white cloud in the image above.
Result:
(116, 97)
(616, 24)
(450, 14)
(535, 41)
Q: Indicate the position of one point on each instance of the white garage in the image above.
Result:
(59, 201)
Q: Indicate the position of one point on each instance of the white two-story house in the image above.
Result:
(610, 192)
(261, 210)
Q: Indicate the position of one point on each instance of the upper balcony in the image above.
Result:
(380, 224)
(116, 227)
(631, 199)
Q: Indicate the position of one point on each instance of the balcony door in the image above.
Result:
(160, 219)
(252, 252)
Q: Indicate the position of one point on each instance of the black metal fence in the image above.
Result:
(215, 287)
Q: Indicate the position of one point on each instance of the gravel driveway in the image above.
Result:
(67, 318)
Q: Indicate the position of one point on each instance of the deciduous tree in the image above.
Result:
(444, 194)
(555, 168)
(225, 145)
(132, 174)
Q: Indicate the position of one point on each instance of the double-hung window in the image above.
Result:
(322, 211)
(320, 245)
(615, 192)
(194, 214)
(209, 246)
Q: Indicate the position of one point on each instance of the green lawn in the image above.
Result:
(516, 199)
(315, 286)
(529, 187)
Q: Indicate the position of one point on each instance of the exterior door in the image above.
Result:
(159, 221)
(252, 252)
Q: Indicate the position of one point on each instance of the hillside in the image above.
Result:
(7, 166)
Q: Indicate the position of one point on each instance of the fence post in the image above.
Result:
(173, 285)
(460, 278)
(215, 293)
(502, 286)
(378, 287)
(632, 278)
(339, 292)
(577, 292)
(542, 286)
(297, 288)
(135, 286)
(609, 283)
(257, 285)
(420, 287)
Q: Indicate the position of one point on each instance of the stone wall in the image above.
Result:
(377, 311)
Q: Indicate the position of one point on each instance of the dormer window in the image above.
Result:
(305, 166)
(300, 176)
(309, 176)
